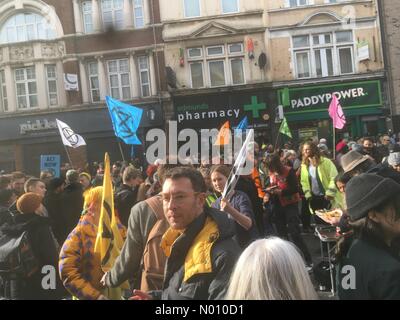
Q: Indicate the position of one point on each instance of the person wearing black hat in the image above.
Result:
(373, 205)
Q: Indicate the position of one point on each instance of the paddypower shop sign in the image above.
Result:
(351, 95)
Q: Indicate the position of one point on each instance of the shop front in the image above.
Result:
(212, 110)
(306, 110)
(23, 139)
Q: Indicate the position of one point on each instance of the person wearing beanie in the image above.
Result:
(43, 247)
(394, 161)
(373, 206)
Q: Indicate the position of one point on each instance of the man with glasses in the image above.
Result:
(385, 143)
(200, 250)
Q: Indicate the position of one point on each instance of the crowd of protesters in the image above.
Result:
(183, 240)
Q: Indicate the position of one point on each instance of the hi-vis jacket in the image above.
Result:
(327, 173)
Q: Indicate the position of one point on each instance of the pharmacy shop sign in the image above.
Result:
(351, 95)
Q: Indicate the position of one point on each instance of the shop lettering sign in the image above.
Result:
(361, 94)
(37, 125)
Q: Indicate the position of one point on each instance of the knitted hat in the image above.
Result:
(87, 175)
(394, 159)
(367, 191)
(29, 202)
(351, 160)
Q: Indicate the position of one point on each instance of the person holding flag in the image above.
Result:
(91, 248)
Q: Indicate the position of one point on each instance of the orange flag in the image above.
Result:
(224, 135)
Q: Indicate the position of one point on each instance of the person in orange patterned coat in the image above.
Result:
(79, 266)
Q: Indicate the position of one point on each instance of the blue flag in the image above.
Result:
(242, 126)
(125, 119)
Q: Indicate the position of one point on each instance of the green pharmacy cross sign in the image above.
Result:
(255, 107)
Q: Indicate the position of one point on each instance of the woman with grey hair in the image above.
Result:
(270, 269)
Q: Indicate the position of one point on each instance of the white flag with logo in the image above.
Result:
(242, 166)
(68, 136)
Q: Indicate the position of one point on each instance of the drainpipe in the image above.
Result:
(386, 59)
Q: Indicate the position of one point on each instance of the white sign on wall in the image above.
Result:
(71, 82)
(363, 51)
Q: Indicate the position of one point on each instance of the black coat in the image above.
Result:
(73, 205)
(377, 272)
(45, 251)
(248, 186)
(55, 206)
(224, 253)
(125, 199)
(5, 216)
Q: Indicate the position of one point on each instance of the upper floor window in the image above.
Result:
(118, 77)
(26, 89)
(51, 77)
(26, 27)
(87, 16)
(144, 72)
(297, 3)
(191, 8)
(112, 11)
(138, 13)
(93, 72)
(221, 64)
(230, 6)
(324, 55)
(3, 91)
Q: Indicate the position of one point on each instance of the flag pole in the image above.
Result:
(120, 149)
(276, 142)
(69, 157)
(334, 142)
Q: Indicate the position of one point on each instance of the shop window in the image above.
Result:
(87, 16)
(51, 78)
(323, 55)
(191, 8)
(230, 6)
(26, 27)
(118, 77)
(112, 12)
(144, 72)
(3, 91)
(94, 81)
(26, 89)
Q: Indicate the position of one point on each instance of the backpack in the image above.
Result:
(154, 259)
(17, 259)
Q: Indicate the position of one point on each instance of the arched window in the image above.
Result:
(25, 27)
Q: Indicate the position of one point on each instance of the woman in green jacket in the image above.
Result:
(318, 179)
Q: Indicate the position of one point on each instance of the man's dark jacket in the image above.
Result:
(224, 253)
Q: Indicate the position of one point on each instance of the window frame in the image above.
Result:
(134, 14)
(48, 79)
(3, 92)
(185, 13)
(119, 75)
(26, 82)
(84, 14)
(90, 76)
(205, 59)
(113, 12)
(335, 48)
(140, 70)
(232, 12)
